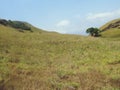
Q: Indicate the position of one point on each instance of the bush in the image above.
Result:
(15, 24)
(3, 22)
(18, 25)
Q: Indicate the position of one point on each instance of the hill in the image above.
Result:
(19, 25)
(111, 29)
(15, 24)
(41, 60)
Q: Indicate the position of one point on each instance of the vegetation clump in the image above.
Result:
(3, 22)
(15, 24)
(95, 32)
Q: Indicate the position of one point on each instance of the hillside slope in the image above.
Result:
(42, 60)
(111, 29)
(19, 25)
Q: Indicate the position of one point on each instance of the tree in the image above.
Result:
(95, 32)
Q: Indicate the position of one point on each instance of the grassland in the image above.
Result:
(110, 22)
(111, 33)
(50, 61)
(111, 29)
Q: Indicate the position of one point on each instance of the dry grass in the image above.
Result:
(50, 61)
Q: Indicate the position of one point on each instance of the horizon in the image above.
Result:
(68, 17)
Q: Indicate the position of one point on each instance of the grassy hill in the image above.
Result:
(41, 60)
(111, 29)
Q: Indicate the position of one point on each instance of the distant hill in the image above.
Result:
(111, 29)
(19, 25)
(15, 24)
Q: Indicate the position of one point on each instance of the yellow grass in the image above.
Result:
(50, 61)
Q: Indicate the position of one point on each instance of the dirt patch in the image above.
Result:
(115, 83)
(93, 80)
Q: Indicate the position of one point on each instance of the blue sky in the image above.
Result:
(64, 16)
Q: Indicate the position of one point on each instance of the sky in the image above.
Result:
(63, 16)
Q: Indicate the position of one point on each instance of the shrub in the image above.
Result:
(3, 22)
(18, 25)
(15, 24)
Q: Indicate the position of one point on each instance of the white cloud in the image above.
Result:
(104, 15)
(63, 23)
(99, 15)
